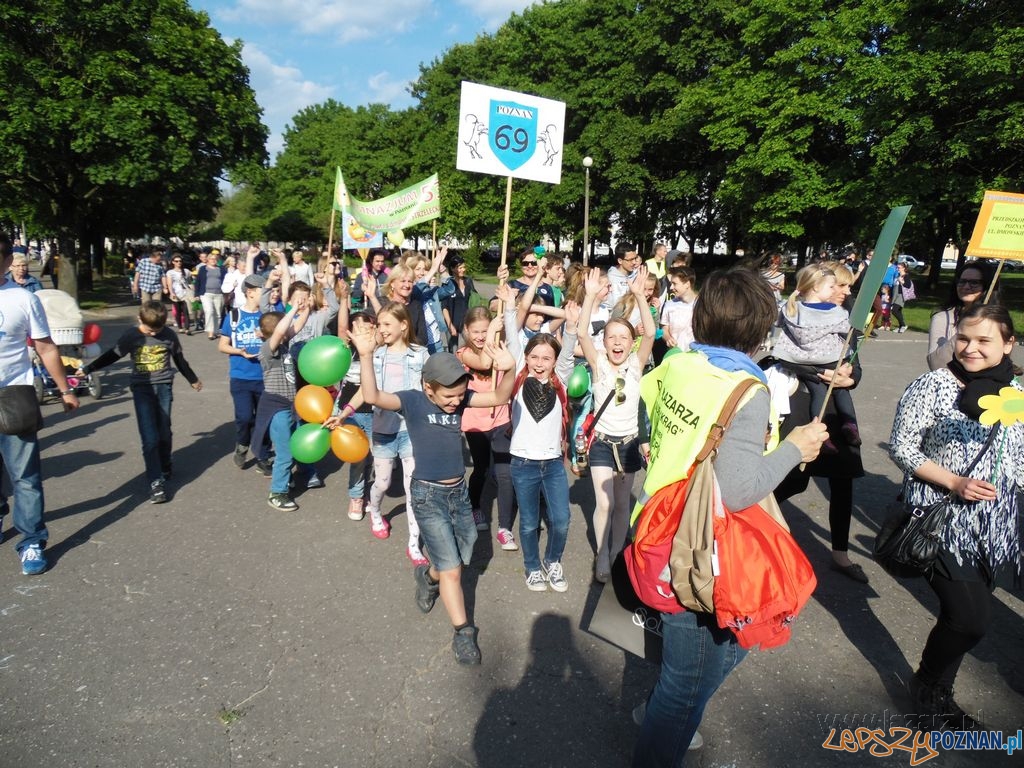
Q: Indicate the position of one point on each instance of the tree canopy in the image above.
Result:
(119, 117)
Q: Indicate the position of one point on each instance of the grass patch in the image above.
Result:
(229, 717)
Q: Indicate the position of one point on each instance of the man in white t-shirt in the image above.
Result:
(22, 318)
(300, 270)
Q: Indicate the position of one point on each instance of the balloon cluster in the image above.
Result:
(324, 361)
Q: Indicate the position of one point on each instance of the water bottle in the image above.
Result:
(581, 449)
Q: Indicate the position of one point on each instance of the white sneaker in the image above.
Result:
(535, 581)
(507, 540)
(556, 578)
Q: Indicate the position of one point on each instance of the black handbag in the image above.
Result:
(19, 410)
(909, 540)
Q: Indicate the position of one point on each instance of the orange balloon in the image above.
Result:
(349, 443)
(313, 404)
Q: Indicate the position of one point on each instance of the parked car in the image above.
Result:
(913, 264)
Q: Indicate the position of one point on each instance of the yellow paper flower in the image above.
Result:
(1007, 407)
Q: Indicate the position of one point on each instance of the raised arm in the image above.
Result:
(594, 288)
(636, 285)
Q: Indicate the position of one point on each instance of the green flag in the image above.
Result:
(414, 204)
(872, 280)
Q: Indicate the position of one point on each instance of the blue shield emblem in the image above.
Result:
(512, 132)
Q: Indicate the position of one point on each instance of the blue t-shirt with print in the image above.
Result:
(436, 436)
(244, 337)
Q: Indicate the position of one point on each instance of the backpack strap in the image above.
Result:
(717, 431)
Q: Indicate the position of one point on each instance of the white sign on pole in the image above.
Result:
(506, 133)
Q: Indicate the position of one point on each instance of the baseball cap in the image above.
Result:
(254, 281)
(444, 368)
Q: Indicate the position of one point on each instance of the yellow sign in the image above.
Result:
(999, 231)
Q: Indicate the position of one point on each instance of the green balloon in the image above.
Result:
(324, 360)
(579, 382)
(310, 443)
(671, 351)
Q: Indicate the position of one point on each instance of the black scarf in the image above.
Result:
(980, 383)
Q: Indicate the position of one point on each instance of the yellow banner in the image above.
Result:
(999, 230)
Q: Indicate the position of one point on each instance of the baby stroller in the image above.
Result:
(76, 342)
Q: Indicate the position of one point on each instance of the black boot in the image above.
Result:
(936, 709)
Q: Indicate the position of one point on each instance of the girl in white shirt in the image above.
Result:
(615, 451)
(539, 420)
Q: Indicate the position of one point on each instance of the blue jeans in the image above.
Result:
(530, 478)
(282, 425)
(359, 473)
(697, 656)
(21, 460)
(446, 523)
(245, 394)
(153, 414)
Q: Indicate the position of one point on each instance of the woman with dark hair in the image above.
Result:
(731, 318)
(943, 449)
(970, 284)
(456, 306)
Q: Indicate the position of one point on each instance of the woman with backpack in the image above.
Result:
(731, 319)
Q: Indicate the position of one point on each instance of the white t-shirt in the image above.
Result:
(618, 419)
(536, 439)
(21, 318)
(677, 316)
(302, 272)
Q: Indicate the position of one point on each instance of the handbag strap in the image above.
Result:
(717, 431)
(988, 442)
(600, 412)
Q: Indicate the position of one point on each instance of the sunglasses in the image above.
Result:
(529, 263)
(970, 282)
(620, 393)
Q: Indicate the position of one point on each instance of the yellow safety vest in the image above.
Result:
(684, 396)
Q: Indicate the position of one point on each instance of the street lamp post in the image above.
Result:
(587, 162)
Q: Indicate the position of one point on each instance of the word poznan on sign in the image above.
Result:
(506, 133)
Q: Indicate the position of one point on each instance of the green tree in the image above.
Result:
(119, 117)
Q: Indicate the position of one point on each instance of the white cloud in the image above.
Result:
(384, 89)
(343, 19)
(495, 12)
(281, 90)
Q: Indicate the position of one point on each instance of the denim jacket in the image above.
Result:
(391, 422)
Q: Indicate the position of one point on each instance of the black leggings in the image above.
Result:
(965, 613)
(840, 503)
(486, 447)
(897, 313)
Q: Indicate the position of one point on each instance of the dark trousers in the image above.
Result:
(965, 613)
(489, 448)
(245, 394)
(153, 414)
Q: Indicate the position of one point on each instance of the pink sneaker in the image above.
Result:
(507, 540)
(382, 529)
(414, 554)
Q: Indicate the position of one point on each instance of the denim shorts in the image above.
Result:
(393, 446)
(629, 454)
(445, 517)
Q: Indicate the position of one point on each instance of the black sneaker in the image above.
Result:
(265, 468)
(282, 501)
(426, 591)
(465, 647)
(157, 492)
(240, 451)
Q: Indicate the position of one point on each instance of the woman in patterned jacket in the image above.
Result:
(935, 437)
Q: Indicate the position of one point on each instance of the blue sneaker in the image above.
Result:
(33, 562)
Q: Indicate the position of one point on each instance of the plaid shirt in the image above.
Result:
(150, 275)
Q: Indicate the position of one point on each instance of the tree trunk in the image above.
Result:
(66, 266)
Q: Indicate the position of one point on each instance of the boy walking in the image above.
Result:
(152, 346)
(275, 413)
(439, 494)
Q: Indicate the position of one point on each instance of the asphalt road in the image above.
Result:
(215, 631)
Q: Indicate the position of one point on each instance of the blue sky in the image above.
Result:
(302, 52)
